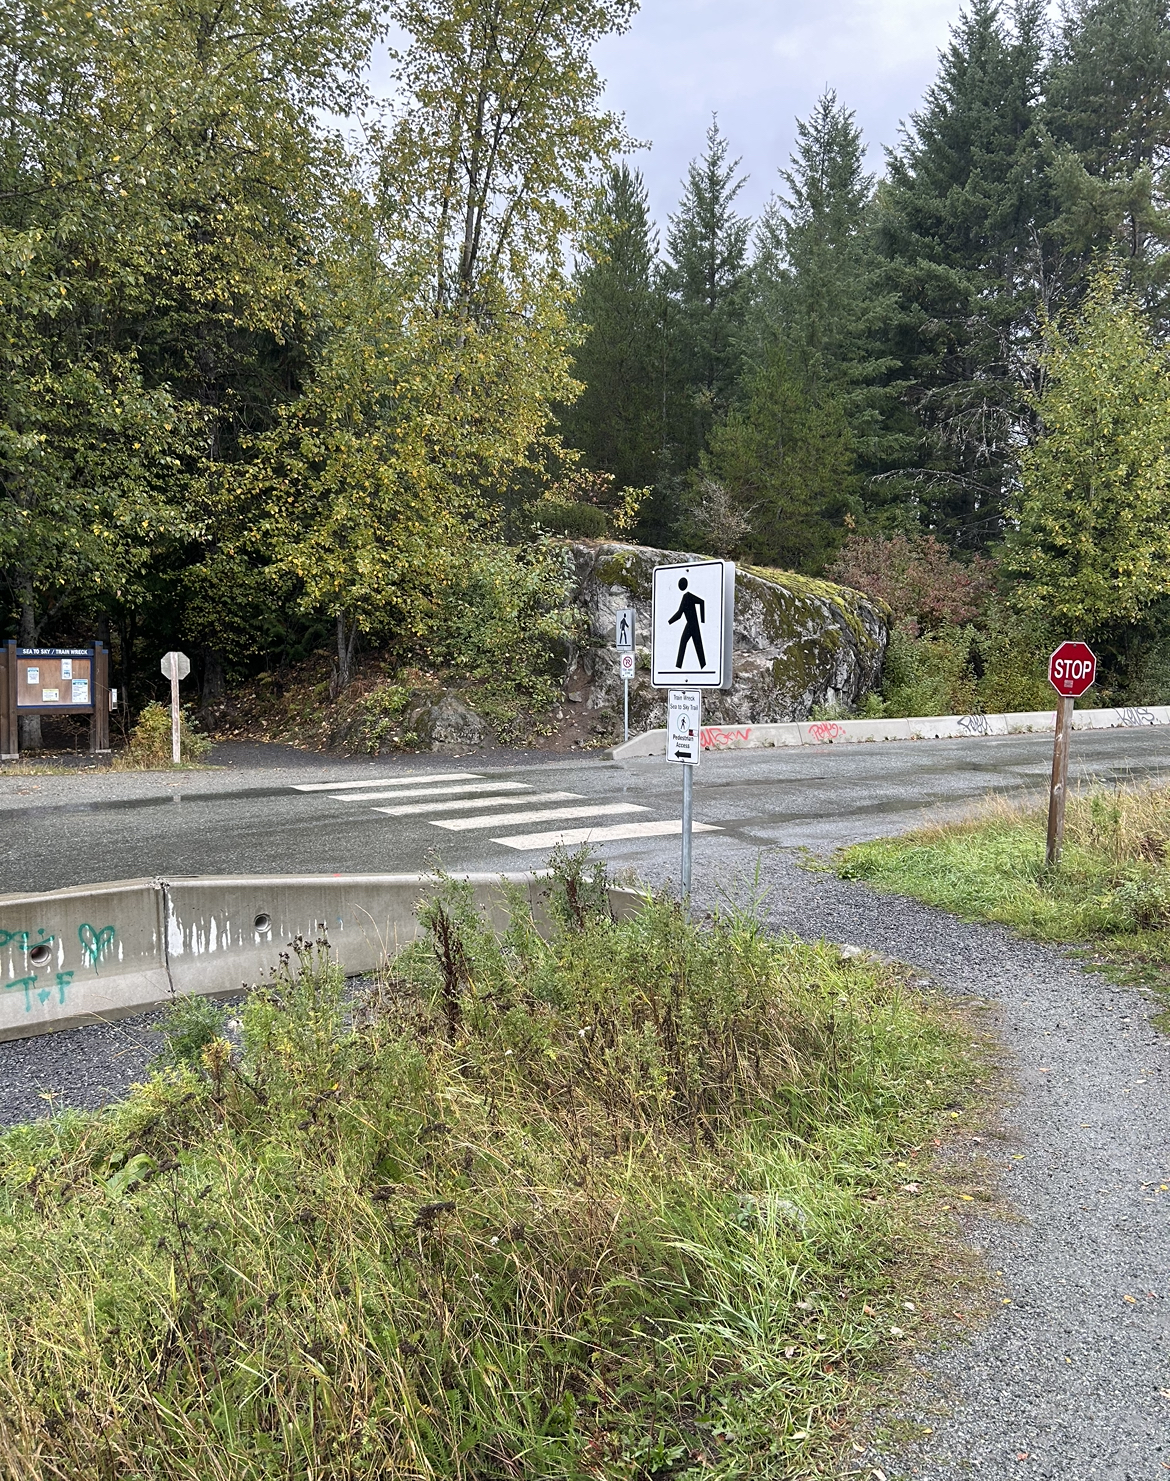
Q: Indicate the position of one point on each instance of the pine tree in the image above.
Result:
(1108, 113)
(960, 220)
(708, 284)
(817, 279)
(783, 460)
(617, 420)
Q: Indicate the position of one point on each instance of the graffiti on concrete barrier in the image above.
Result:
(1132, 715)
(41, 987)
(714, 738)
(95, 943)
(975, 724)
(826, 730)
(24, 939)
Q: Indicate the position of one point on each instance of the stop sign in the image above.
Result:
(1072, 669)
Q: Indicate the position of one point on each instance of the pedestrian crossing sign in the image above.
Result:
(691, 625)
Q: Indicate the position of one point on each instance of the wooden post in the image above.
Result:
(9, 728)
(175, 747)
(99, 693)
(1059, 790)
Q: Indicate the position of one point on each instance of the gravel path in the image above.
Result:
(1071, 1380)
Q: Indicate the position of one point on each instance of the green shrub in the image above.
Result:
(621, 1203)
(577, 521)
(149, 745)
(996, 669)
(503, 621)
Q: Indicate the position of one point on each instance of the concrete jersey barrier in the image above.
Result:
(927, 727)
(70, 957)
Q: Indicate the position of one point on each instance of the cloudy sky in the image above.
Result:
(760, 64)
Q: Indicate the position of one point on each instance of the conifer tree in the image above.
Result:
(818, 280)
(783, 459)
(617, 422)
(961, 221)
(1108, 113)
(708, 283)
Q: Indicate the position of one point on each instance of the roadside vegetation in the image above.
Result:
(1110, 892)
(261, 407)
(641, 1199)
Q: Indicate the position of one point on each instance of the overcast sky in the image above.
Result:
(760, 64)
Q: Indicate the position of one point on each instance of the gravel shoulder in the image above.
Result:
(1070, 1378)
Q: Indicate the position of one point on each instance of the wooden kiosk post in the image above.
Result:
(9, 737)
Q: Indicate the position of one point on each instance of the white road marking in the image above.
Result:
(428, 807)
(493, 820)
(433, 791)
(385, 781)
(571, 836)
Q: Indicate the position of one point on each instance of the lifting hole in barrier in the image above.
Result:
(40, 955)
(263, 921)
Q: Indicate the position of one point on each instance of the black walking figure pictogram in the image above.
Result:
(624, 630)
(691, 632)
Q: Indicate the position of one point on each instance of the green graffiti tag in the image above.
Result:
(20, 937)
(95, 943)
(61, 981)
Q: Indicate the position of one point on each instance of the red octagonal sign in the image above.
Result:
(1072, 669)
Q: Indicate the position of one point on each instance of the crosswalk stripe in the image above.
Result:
(429, 807)
(386, 781)
(572, 836)
(493, 820)
(448, 791)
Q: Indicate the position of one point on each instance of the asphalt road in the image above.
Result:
(249, 814)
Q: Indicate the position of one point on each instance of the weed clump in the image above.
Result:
(149, 745)
(578, 1197)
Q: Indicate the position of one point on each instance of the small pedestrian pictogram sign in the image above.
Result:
(623, 637)
(691, 625)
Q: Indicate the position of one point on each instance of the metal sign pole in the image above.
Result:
(626, 709)
(692, 622)
(688, 774)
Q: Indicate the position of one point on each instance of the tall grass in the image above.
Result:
(609, 1203)
(1112, 885)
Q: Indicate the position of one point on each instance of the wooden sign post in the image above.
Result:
(175, 666)
(1071, 672)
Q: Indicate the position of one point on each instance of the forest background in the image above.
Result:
(291, 371)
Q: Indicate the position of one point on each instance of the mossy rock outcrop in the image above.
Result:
(799, 643)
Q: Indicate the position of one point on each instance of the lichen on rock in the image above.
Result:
(800, 643)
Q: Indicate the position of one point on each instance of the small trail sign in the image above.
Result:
(684, 720)
(691, 625)
(1072, 669)
(623, 630)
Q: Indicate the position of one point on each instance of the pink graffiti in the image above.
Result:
(714, 738)
(826, 730)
